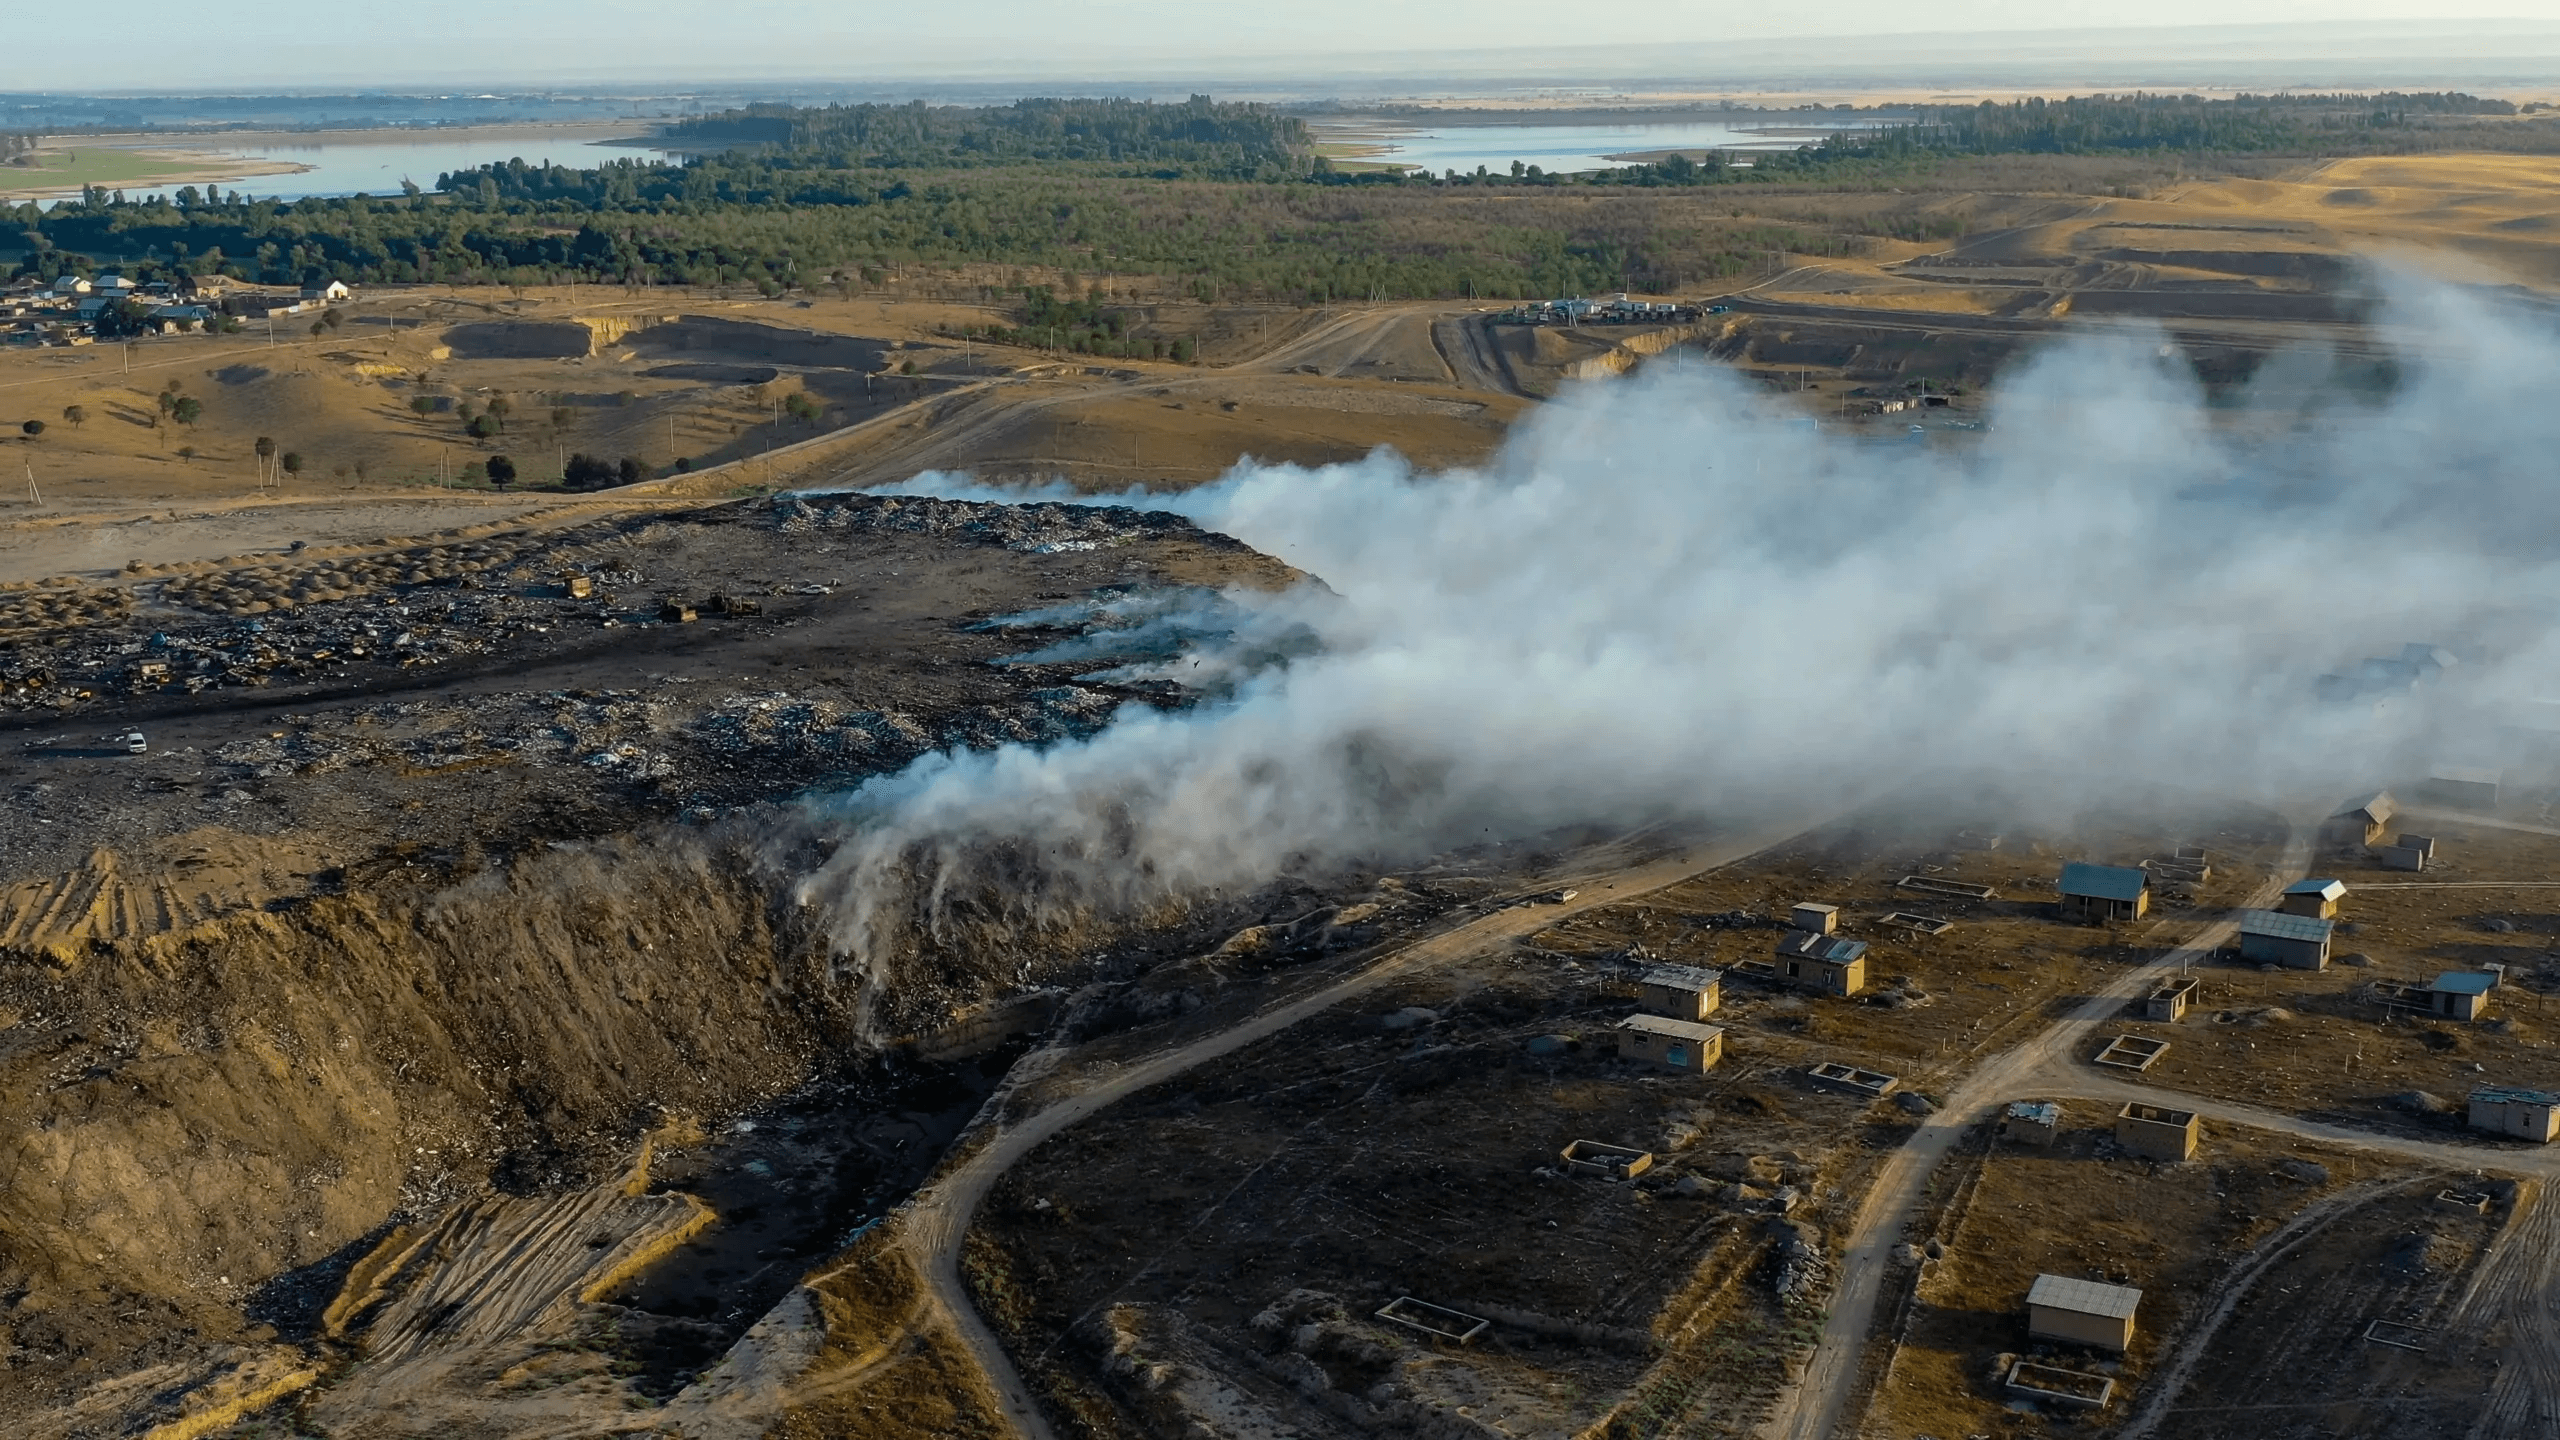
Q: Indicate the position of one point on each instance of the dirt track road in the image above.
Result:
(1814, 1406)
(2520, 1280)
(933, 1223)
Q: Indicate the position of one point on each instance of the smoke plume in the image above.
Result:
(1670, 597)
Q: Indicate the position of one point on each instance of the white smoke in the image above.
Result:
(1670, 598)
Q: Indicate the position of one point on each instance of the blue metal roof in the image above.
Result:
(2325, 889)
(2282, 926)
(1833, 949)
(2511, 1095)
(2465, 982)
(2104, 882)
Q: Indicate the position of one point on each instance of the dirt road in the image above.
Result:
(1813, 1407)
(934, 1222)
(2521, 1279)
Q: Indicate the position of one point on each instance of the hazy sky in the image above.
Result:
(309, 43)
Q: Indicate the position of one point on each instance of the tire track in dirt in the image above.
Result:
(931, 1227)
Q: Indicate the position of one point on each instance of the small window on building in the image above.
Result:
(1675, 1055)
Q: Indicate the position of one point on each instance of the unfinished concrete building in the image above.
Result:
(2082, 1312)
(1684, 1046)
(2297, 942)
(2156, 1131)
(2317, 899)
(1680, 992)
(2461, 994)
(2168, 1000)
(2525, 1114)
(2104, 892)
(1824, 963)
(2362, 822)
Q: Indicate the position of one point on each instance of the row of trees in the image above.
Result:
(829, 195)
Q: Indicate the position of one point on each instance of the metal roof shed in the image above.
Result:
(2317, 898)
(2104, 892)
(2461, 994)
(2082, 1312)
(2272, 937)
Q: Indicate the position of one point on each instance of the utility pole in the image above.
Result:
(33, 497)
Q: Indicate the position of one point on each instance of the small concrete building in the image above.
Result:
(2104, 892)
(1680, 992)
(2362, 822)
(2031, 1122)
(1682, 1045)
(1825, 963)
(2463, 786)
(2168, 1000)
(2082, 1312)
(1816, 919)
(2297, 942)
(2525, 1114)
(327, 290)
(2157, 1131)
(2461, 994)
(2400, 857)
(2315, 898)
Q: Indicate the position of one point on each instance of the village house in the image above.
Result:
(1825, 963)
(2317, 899)
(2525, 1114)
(1682, 1045)
(2082, 1312)
(2465, 787)
(2362, 823)
(2104, 892)
(2297, 942)
(1815, 919)
(1680, 992)
(2031, 1122)
(2461, 994)
(327, 291)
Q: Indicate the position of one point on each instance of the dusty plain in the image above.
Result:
(416, 1038)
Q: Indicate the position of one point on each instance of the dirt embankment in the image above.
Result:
(193, 1115)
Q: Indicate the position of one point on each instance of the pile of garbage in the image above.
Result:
(1041, 528)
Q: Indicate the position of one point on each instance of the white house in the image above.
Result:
(327, 290)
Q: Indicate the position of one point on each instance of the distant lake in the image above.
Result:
(357, 162)
(376, 167)
(1571, 148)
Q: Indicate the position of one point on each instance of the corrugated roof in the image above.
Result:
(2086, 1297)
(1831, 949)
(2510, 1095)
(2277, 924)
(2103, 882)
(1665, 1025)
(2325, 889)
(2465, 982)
(1683, 977)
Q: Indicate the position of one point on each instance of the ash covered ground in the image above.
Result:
(454, 693)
